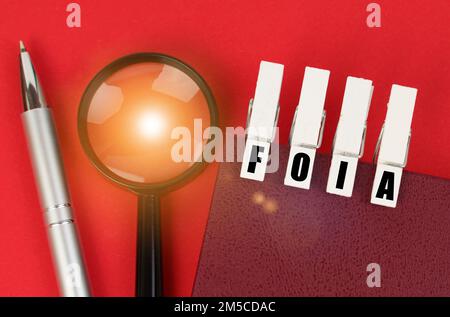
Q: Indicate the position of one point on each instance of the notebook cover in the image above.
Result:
(267, 239)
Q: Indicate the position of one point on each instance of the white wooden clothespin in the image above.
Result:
(262, 121)
(307, 128)
(393, 146)
(348, 145)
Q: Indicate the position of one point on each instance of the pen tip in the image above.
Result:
(22, 47)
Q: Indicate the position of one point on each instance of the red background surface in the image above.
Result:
(224, 41)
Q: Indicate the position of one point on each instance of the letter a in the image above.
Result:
(374, 278)
(74, 18)
(386, 187)
(374, 18)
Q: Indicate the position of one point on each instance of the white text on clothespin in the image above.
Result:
(262, 121)
(307, 128)
(393, 146)
(350, 135)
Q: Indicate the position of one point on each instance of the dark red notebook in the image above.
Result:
(267, 239)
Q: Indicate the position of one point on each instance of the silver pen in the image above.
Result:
(49, 174)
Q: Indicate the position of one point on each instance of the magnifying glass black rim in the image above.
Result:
(100, 77)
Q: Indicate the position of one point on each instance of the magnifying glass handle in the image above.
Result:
(148, 256)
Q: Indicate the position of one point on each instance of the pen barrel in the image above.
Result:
(67, 256)
(55, 201)
(45, 157)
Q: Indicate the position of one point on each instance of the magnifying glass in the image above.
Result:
(126, 118)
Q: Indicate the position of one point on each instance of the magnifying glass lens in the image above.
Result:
(140, 122)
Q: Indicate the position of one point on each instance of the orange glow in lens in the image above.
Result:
(151, 124)
(131, 117)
